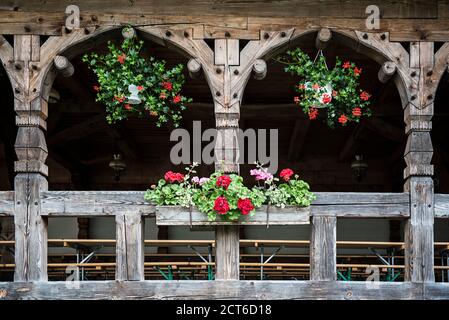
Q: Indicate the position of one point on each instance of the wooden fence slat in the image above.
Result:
(323, 249)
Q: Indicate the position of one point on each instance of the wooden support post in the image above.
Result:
(419, 239)
(227, 253)
(259, 69)
(323, 248)
(130, 247)
(31, 149)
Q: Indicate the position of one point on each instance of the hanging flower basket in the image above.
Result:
(334, 94)
(132, 85)
(225, 199)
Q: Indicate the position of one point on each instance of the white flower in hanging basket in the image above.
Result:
(322, 95)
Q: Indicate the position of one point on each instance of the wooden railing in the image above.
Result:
(130, 209)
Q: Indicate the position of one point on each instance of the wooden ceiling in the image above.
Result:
(81, 143)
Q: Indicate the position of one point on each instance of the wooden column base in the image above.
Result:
(227, 253)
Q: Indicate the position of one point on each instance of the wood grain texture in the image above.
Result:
(323, 249)
(227, 253)
(441, 206)
(236, 290)
(419, 232)
(6, 203)
(130, 247)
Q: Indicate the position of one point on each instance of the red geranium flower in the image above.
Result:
(119, 99)
(357, 112)
(128, 107)
(326, 98)
(343, 119)
(140, 88)
(223, 181)
(296, 99)
(316, 86)
(221, 205)
(121, 58)
(365, 96)
(334, 93)
(313, 113)
(245, 206)
(346, 65)
(162, 95)
(357, 71)
(167, 85)
(301, 86)
(171, 177)
(177, 99)
(97, 88)
(286, 174)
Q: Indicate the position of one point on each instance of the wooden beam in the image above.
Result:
(6, 203)
(259, 69)
(105, 203)
(194, 67)
(386, 71)
(64, 66)
(216, 290)
(441, 206)
(323, 248)
(298, 138)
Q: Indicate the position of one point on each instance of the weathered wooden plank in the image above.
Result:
(227, 253)
(220, 290)
(103, 203)
(30, 228)
(172, 216)
(94, 203)
(441, 205)
(6, 203)
(130, 246)
(323, 249)
(289, 8)
(419, 232)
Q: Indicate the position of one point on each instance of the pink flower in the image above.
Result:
(316, 86)
(261, 175)
(140, 88)
(196, 180)
(203, 181)
(296, 99)
(326, 98)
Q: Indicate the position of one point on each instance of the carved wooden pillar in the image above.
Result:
(31, 150)
(419, 233)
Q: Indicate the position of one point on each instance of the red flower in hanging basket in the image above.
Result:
(221, 205)
(119, 99)
(97, 88)
(296, 99)
(163, 95)
(357, 112)
(313, 113)
(316, 87)
(346, 65)
(140, 88)
(286, 174)
(121, 58)
(365, 96)
(343, 119)
(326, 98)
(245, 206)
(357, 71)
(177, 99)
(223, 181)
(167, 85)
(128, 107)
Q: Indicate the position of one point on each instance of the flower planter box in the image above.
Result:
(177, 216)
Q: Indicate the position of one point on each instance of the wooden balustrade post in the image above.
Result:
(323, 248)
(130, 246)
(31, 150)
(419, 233)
